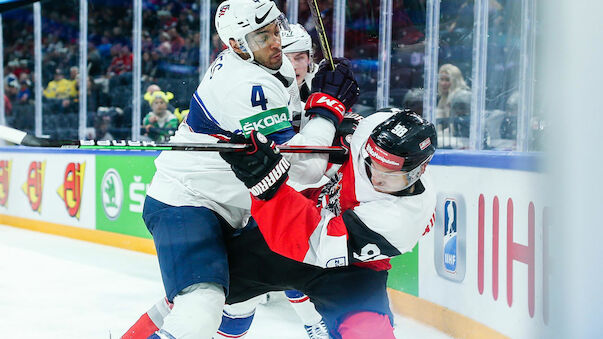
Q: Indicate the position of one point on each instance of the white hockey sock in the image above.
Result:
(197, 312)
(237, 318)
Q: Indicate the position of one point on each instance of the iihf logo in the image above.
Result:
(450, 232)
(450, 236)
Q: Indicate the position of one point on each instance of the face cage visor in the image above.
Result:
(266, 36)
(391, 181)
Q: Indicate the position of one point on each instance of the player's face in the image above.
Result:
(265, 43)
(300, 61)
(386, 180)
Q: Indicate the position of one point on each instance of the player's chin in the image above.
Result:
(276, 61)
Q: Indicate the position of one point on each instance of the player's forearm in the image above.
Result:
(309, 168)
(287, 221)
(317, 132)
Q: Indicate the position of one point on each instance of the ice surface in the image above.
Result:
(55, 287)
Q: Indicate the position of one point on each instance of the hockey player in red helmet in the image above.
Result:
(377, 206)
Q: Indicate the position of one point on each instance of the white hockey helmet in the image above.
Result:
(237, 18)
(297, 39)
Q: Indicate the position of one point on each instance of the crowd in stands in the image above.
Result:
(170, 52)
(170, 59)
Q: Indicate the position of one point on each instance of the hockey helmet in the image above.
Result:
(297, 39)
(236, 19)
(399, 149)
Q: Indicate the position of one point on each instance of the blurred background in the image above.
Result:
(513, 87)
(80, 69)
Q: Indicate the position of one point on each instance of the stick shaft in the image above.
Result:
(19, 137)
(322, 34)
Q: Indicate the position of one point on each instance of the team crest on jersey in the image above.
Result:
(330, 196)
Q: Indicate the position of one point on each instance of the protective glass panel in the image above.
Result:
(60, 71)
(408, 55)
(19, 68)
(502, 74)
(216, 44)
(170, 65)
(110, 63)
(453, 111)
(362, 48)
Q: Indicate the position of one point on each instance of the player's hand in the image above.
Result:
(343, 137)
(334, 92)
(261, 168)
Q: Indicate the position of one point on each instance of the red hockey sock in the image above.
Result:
(149, 322)
(142, 329)
(366, 325)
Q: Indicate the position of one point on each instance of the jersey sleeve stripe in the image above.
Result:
(205, 110)
(200, 122)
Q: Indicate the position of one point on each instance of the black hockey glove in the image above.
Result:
(334, 92)
(261, 168)
(343, 137)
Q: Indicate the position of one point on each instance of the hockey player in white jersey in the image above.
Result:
(298, 48)
(377, 206)
(194, 198)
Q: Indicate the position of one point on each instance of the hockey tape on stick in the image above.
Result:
(320, 30)
(21, 138)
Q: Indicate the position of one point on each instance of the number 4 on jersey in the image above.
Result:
(258, 98)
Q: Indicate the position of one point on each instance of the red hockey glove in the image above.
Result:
(334, 92)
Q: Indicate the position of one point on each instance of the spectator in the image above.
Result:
(102, 124)
(147, 104)
(74, 75)
(160, 123)
(22, 68)
(460, 112)
(450, 79)
(24, 95)
(165, 47)
(61, 90)
(122, 60)
(10, 71)
(176, 40)
(59, 87)
(12, 89)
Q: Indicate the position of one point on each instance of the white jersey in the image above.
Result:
(234, 97)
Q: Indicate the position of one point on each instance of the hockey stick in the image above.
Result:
(21, 138)
(320, 30)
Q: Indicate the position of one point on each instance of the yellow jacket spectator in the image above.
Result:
(60, 88)
(160, 123)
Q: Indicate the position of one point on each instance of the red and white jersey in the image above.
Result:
(352, 222)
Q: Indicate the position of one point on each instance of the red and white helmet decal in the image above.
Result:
(425, 143)
(382, 157)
